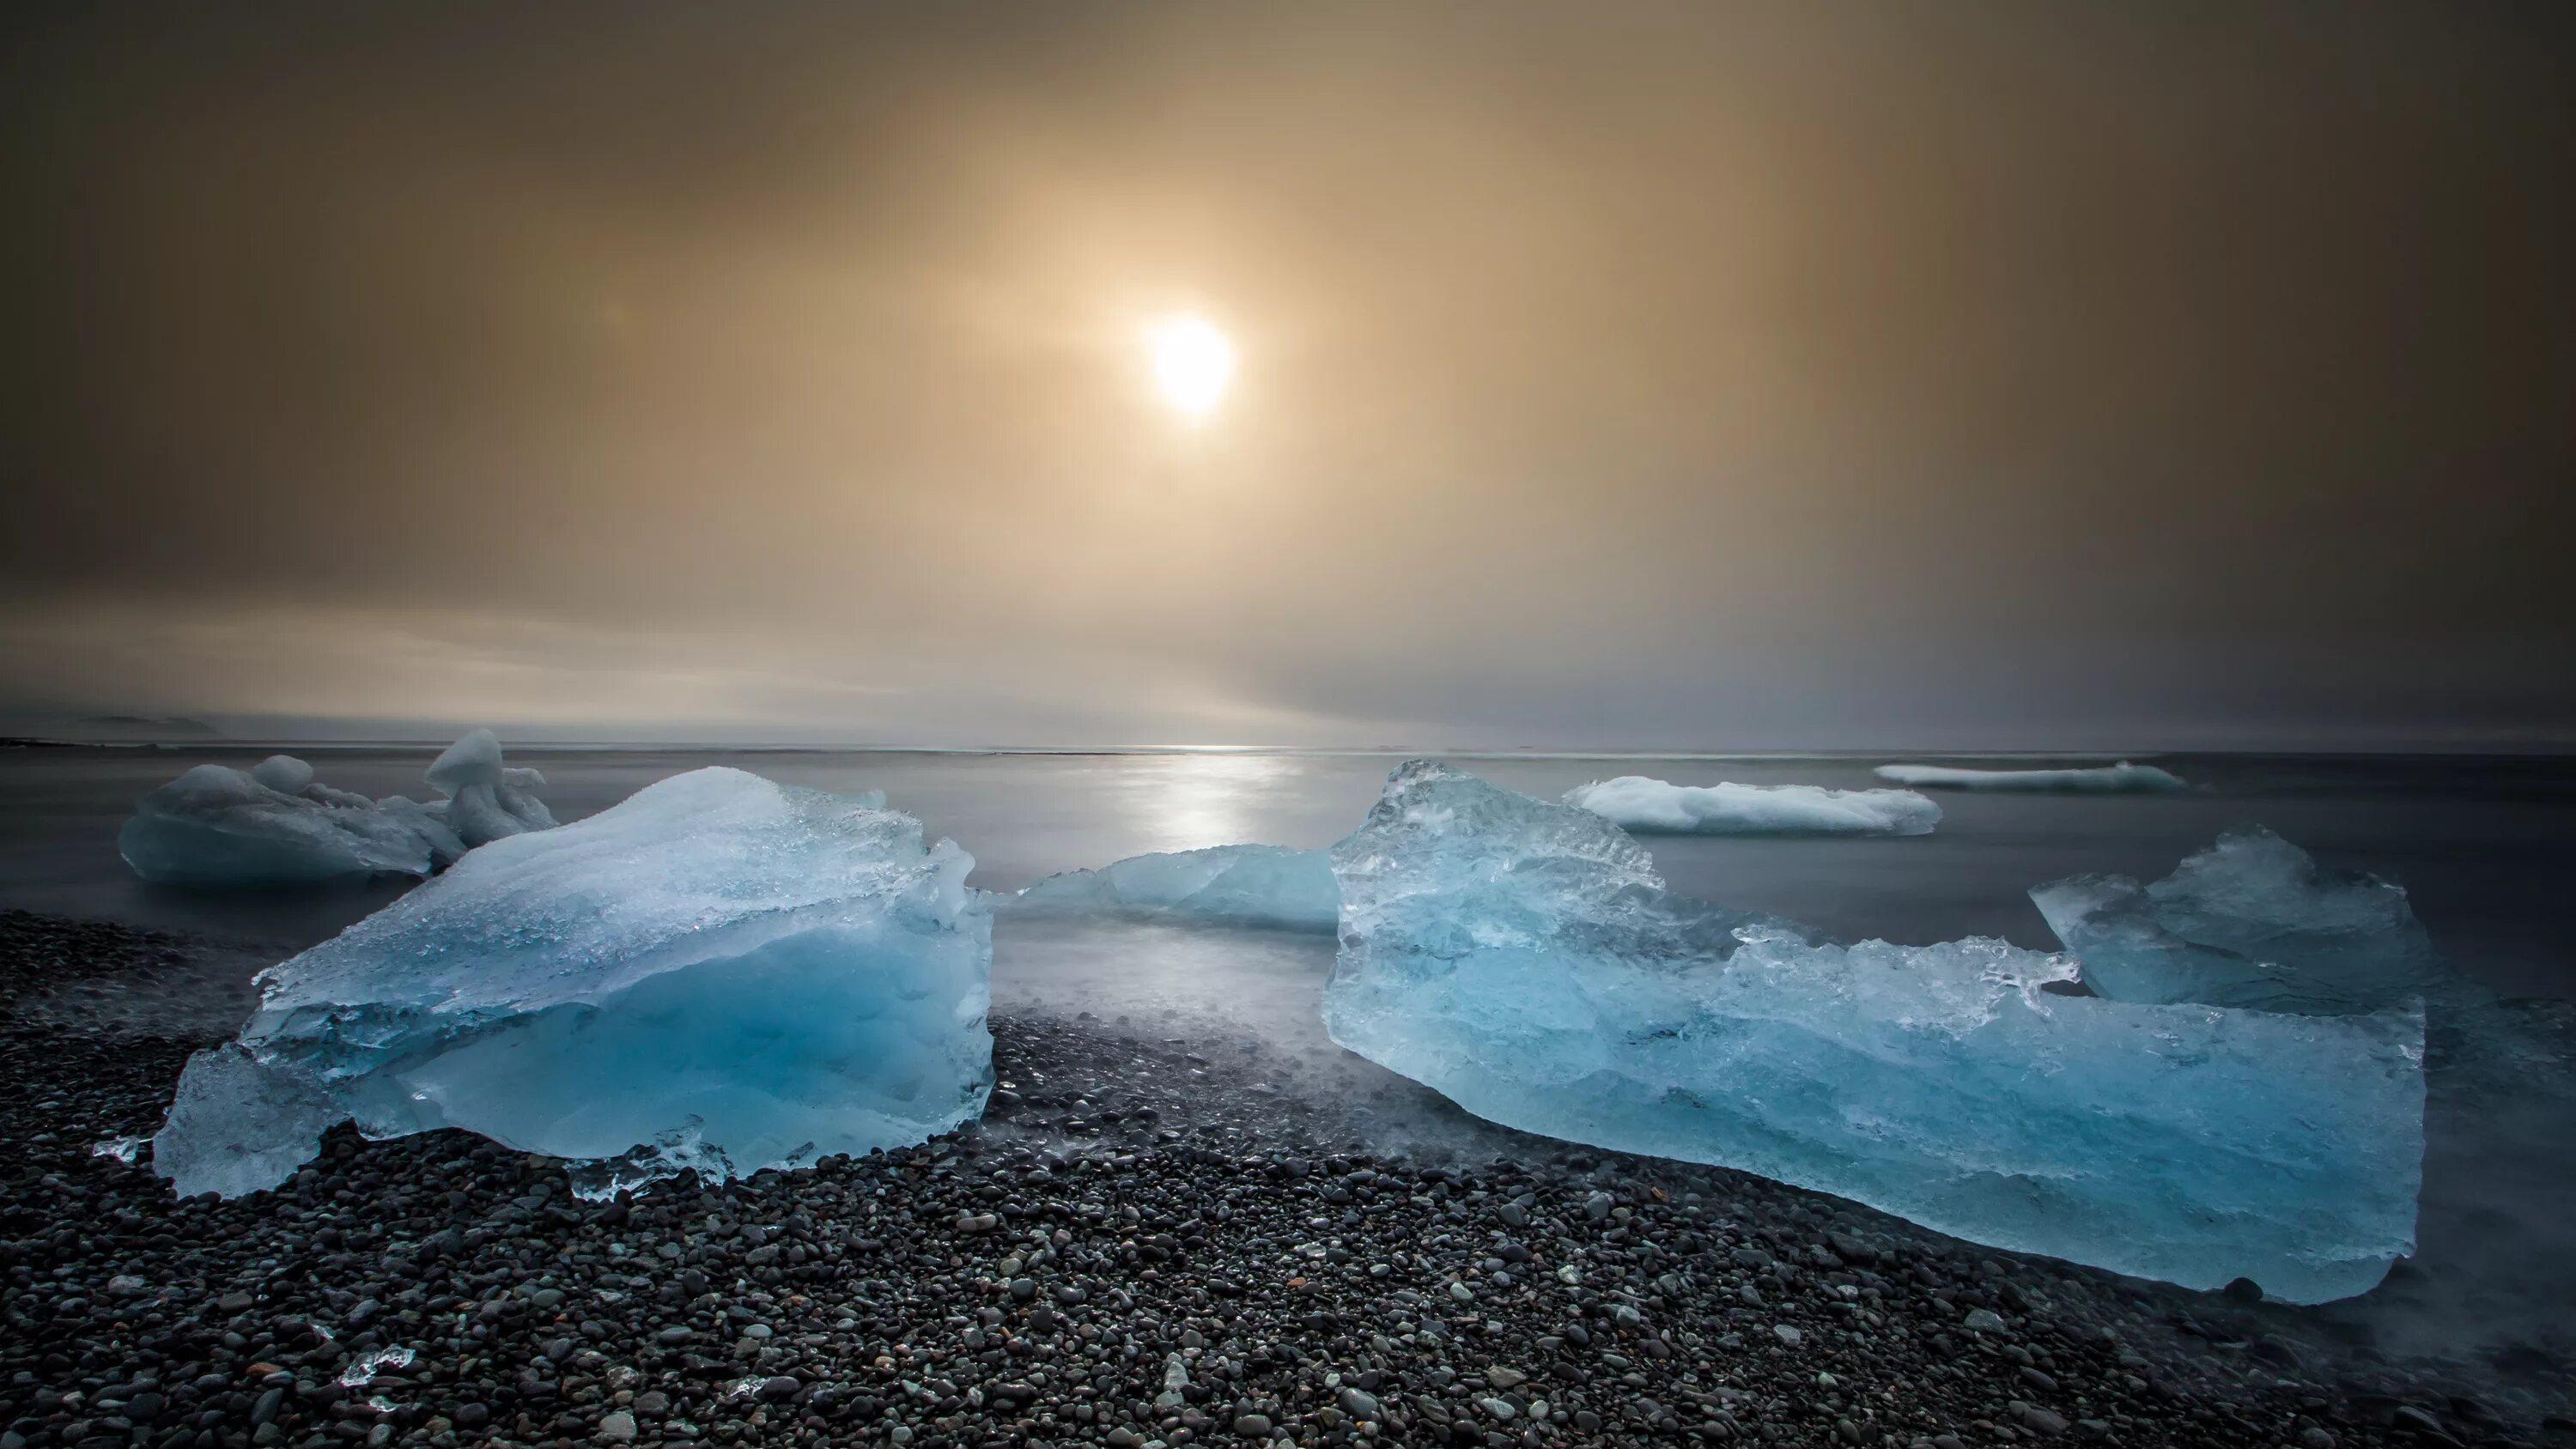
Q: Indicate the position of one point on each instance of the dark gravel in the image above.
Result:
(1146, 1240)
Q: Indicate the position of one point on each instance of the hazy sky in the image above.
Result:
(1793, 374)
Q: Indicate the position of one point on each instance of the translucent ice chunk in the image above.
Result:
(120, 1148)
(780, 972)
(1524, 959)
(239, 1124)
(2251, 921)
(2120, 779)
(1256, 885)
(1647, 806)
(362, 1369)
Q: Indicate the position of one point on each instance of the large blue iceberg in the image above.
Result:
(2120, 779)
(1232, 885)
(274, 824)
(720, 973)
(1646, 806)
(1524, 959)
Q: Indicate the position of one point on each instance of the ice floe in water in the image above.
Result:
(1238, 885)
(2250, 921)
(218, 826)
(723, 971)
(1524, 959)
(274, 824)
(2120, 779)
(1646, 806)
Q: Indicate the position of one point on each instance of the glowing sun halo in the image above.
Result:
(1192, 363)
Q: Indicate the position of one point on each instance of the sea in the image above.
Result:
(2485, 845)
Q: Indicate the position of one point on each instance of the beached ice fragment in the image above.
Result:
(2120, 779)
(770, 974)
(1237, 885)
(1647, 806)
(2251, 921)
(1524, 959)
(238, 1124)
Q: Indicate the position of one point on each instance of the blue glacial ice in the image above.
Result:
(720, 973)
(1524, 959)
(2251, 921)
(2120, 779)
(274, 824)
(1645, 806)
(1233, 885)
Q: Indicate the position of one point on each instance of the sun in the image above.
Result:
(1192, 361)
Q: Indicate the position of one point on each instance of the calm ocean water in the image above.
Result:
(2485, 845)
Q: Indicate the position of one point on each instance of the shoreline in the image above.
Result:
(1131, 1204)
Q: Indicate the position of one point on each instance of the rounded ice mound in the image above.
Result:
(719, 972)
(475, 759)
(283, 773)
(486, 800)
(1642, 805)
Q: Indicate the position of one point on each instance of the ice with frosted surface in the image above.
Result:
(2251, 921)
(723, 971)
(1524, 959)
(2120, 779)
(1243, 885)
(1642, 805)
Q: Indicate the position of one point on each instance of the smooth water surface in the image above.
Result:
(2483, 845)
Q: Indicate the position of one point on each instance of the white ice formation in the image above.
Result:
(2120, 779)
(486, 800)
(1645, 806)
(274, 824)
(720, 971)
(1525, 960)
(1233, 885)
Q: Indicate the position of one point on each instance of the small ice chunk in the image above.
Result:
(1246, 885)
(2251, 921)
(777, 973)
(678, 1150)
(1646, 806)
(362, 1369)
(2120, 779)
(1525, 960)
(120, 1148)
